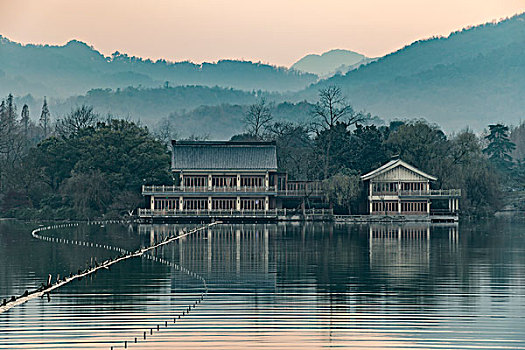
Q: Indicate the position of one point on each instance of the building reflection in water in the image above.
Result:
(232, 254)
(262, 253)
(416, 285)
(403, 250)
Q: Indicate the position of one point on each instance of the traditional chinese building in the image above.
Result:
(398, 188)
(225, 179)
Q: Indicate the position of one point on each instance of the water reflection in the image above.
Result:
(280, 286)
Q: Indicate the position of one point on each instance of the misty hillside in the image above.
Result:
(150, 105)
(470, 78)
(222, 121)
(329, 62)
(75, 68)
(191, 110)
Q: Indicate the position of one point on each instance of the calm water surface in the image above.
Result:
(272, 286)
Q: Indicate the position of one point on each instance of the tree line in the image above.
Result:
(339, 144)
(78, 166)
(82, 165)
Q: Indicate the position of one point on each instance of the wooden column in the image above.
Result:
(238, 182)
(266, 203)
(370, 197)
(238, 202)
(210, 182)
(181, 203)
(209, 203)
(152, 205)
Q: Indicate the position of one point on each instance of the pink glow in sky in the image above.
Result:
(274, 31)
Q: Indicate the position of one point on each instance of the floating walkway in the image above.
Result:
(47, 288)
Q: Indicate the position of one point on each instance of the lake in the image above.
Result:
(275, 286)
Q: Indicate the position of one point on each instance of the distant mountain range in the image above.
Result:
(472, 77)
(75, 68)
(331, 62)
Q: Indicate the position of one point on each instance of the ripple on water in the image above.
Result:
(274, 287)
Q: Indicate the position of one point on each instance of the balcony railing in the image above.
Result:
(204, 189)
(233, 213)
(154, 189)
(301, 193)
(420, 193)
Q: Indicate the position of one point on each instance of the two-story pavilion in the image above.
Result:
(398, 188)
(217, 175)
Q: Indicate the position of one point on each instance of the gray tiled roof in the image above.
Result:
(219, 155)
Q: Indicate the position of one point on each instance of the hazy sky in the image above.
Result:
(274, 31)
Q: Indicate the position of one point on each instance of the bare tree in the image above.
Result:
(331, 110)
(165, 130)
(258, 117)
(78, 119)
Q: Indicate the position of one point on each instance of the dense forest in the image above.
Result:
(83, 165)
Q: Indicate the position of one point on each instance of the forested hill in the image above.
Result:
(75, 68)
(472, 77)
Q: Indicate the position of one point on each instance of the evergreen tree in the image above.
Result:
(24, 120)
(10, 110)
(2, 111)
(500, 146)
(44, 118)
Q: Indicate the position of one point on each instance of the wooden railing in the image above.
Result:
(233, 213)
(423, 193)
(155, 189)
(204, 189)
(301, 192)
